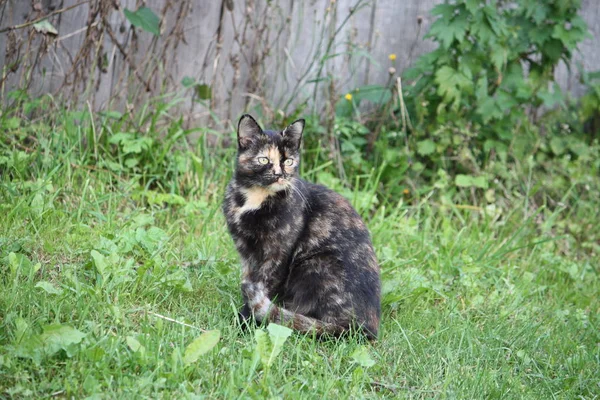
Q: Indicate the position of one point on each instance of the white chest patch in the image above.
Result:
(255, 197)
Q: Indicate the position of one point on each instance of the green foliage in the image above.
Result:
(201, 345)
(590, 101)
(53, 339)
(482, 210)
(362, 357)
(201, 90)
(481, 105)
(494, 65)
(144, 18)
(45, 27)
(268, 346)
(105, 282)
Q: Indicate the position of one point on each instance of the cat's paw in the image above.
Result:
(256, 298)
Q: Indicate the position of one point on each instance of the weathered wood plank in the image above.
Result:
(295, 32)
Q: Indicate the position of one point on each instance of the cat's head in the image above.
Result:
(270, 159)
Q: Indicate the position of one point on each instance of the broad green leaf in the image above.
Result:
(344, 108)
(133, 344)
(37, 204)
(446, 31)
(499, 147)
(553, 50)
(203, 91)
(505, 101)
(269, 346)
(143, 219)
(201, 345)
(45, 27)
(278, 335)
(470, 181)
(119, 137)
(99, 262)
(17, 262)
(558, 145)
(498, 57)
(11, 123)
(443, 10)
(155, 197)
(579, 147)
(58, 337)
(425, 147)
(362, 357)
(21, 328)
(145, 19)
(111, 114)
(513, 77)
(472, 5)
(451, 83)
(536, 10)
(483, 31)
(551, 98)
(263, 346)
(48, 287)
(570, 36)
(481, 89)
(480, 182)
(29, 346)
(91, 384)
(489, 110)
(463, 180)
(540, 34)
(20, 263)
(188, 82)
(151, 239)
(136, 145)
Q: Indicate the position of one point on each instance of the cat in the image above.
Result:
(307, 258)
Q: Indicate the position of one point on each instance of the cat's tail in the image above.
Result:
(265, 310)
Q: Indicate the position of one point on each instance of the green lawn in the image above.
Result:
(105, 282)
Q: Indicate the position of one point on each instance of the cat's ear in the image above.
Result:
(248, 130)
(293, 133)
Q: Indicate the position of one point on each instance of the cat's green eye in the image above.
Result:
(288, 162)
(263, 160)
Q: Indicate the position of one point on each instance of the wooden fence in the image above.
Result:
(247, 53)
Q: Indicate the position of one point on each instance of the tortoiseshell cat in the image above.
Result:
(307, 259)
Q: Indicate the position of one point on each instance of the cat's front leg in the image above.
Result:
(256, 301)
(260, 284)
(245, 314)
(271, 273)
(256, 282)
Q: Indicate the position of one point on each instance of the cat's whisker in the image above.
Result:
(302, 197)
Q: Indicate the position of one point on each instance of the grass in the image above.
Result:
(105, 281)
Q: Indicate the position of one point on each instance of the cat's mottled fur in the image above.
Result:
(307, 259)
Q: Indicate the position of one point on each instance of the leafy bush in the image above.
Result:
(495, 63)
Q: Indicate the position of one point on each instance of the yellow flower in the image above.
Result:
(392, 57)
(406, 191)
(348, 97)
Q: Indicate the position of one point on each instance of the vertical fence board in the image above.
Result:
(379, 28)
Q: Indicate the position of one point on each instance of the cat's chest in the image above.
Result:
(268, 222)
(257, 218)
